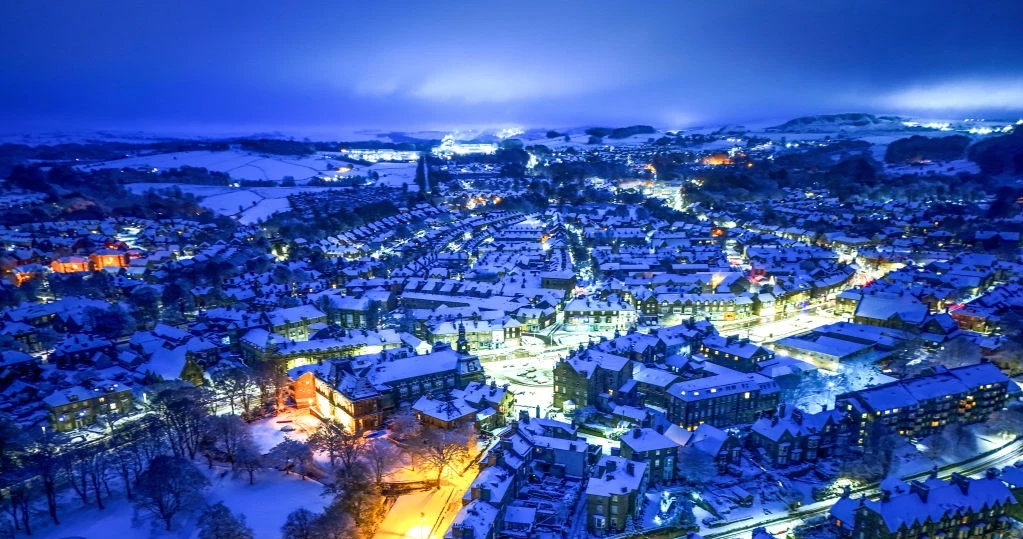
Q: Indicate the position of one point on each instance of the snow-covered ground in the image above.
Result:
(239, 164)
(265, 504)
(531, 389)
(249, 205)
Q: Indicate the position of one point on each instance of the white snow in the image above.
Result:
(238, 163)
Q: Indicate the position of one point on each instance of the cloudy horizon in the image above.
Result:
(223, 67)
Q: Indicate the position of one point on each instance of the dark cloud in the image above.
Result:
(315, 66)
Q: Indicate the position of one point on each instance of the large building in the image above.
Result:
(719, 396)
(925, 404)
(360, 394)
(958, 508)
(582, 378)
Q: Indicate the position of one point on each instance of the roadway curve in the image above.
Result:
(997, 458)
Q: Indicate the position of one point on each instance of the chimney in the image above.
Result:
(960, 481)
(636, 433)
(920, 489)
(524, 416)
(797, 416)
(886, 495)
(630, 468)
(611, 465)
(781, 410)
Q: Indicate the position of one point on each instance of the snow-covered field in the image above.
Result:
(249, 204)
(239, 164)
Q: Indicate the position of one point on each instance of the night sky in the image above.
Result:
(232, 67)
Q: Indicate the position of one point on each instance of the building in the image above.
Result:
(583, 314)
(360, 394)
(711, 394)
(734, 353)
(295, 322)
(957, 508)
(793, 436)
(583, 377)
(923, 405)
(614, 494)
(77, 407)
(657, 451)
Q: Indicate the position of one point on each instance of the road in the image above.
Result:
(1004, 456)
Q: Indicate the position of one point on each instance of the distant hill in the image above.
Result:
(918, 149)
(620, 132)
(835, 122)
(999, 155)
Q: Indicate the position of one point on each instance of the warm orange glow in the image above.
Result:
(717, 232)
(716, 159)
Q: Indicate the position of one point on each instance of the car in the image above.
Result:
(287, 428)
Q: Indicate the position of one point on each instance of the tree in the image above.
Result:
(878, 455)
(183, 410)
(338, 442)
(404, 425)
(42, 460)
(291, 455)
(235, 384)
(217, 522)
(170, 484)
(356, 497)
(300, 524)
(379, 457)
(249, 459)
(227, 433)
(444, 449)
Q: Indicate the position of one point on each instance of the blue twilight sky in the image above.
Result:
(316, 67)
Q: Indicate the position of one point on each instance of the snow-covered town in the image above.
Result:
(520, 269)
(597, 333)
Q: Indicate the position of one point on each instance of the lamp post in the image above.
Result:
(422, 525)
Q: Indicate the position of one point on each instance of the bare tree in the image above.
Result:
(227, 433)
(404, 425)
(444, 449)
(184, 410)
(218, 522)
(249, 459)
(339, 443)
(235, 384)
(697, 467)
(379, 457)
(291, 455)
(169, 485)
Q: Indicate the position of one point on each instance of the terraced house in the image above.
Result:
(925, 404)
(959, 508)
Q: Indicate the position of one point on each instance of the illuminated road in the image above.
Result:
(999, 458)
(415, 515)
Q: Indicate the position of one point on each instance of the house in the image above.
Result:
(295, 323)
(792, 436)
(614, 494)
(653, 448)
(78, 406)
(734, 353)
(444, 411)
(958, 507)
(583, 377)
